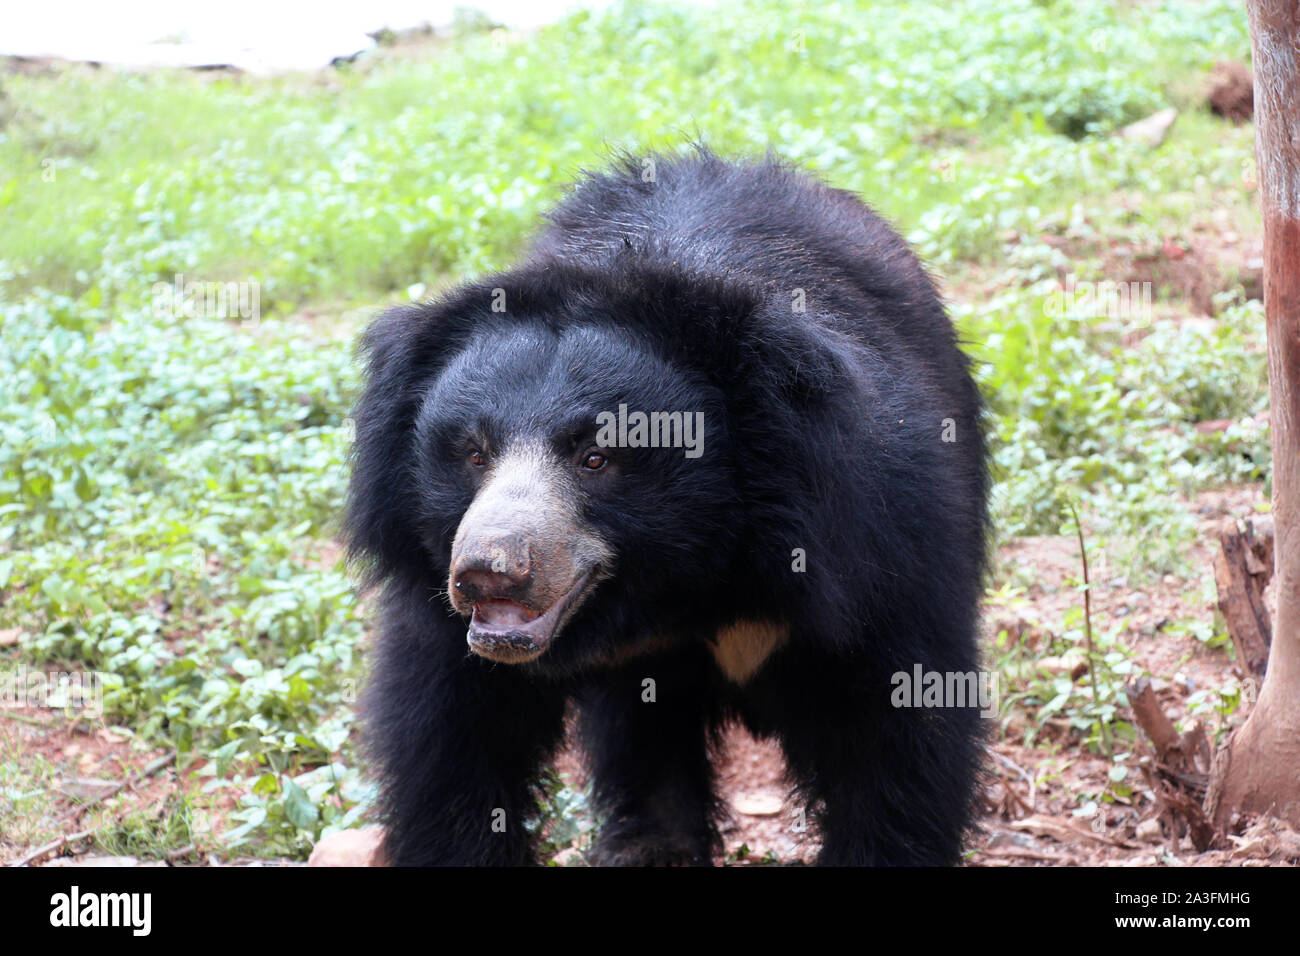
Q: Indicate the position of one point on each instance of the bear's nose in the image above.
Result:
(477, 584)
(502, 572)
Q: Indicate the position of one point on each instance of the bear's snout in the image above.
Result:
(500, 569)
(521, 562)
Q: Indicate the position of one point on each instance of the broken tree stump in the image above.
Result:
(1177, 769)
(1242, 570)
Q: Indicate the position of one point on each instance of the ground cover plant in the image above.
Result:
(171, 475)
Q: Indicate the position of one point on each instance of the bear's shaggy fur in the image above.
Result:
(829, 534)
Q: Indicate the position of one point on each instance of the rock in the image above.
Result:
(359, 847)
(758, 804)
(1005, 838)
(1152, 130)
(1148, 831)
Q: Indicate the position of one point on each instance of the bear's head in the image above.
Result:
(563, 479)
(568, 458)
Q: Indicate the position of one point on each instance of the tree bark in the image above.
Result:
(1242, 570)
(1259, 769)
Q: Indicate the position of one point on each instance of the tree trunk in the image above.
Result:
(1259, 769)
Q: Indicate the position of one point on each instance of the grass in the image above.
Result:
(169, 485)
(25, 784)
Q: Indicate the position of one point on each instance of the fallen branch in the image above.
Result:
(147, 771)
(1151, 718)
(1178, 771)
(61, 842)
(1054, 828)
(1025, 775)
(34, 721)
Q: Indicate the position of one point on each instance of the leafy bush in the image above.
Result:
(164, 489)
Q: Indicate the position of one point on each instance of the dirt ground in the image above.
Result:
(93, 778)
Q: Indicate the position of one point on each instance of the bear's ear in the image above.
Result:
(758, 349)
(750, 343)
(402, 350)
(785, 356)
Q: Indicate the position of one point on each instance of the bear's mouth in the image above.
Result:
(513, 633)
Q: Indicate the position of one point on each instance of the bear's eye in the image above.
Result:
(477, 458)
(594, 461)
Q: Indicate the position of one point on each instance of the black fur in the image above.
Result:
(823, 432)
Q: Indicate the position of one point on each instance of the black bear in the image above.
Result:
(710, 452)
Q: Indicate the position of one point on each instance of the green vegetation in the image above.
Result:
(170, 486)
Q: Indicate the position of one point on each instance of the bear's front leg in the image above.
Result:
(886, 785)
(645, 730)
(458, 742)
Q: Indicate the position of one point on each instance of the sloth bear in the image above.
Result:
(710, 452)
